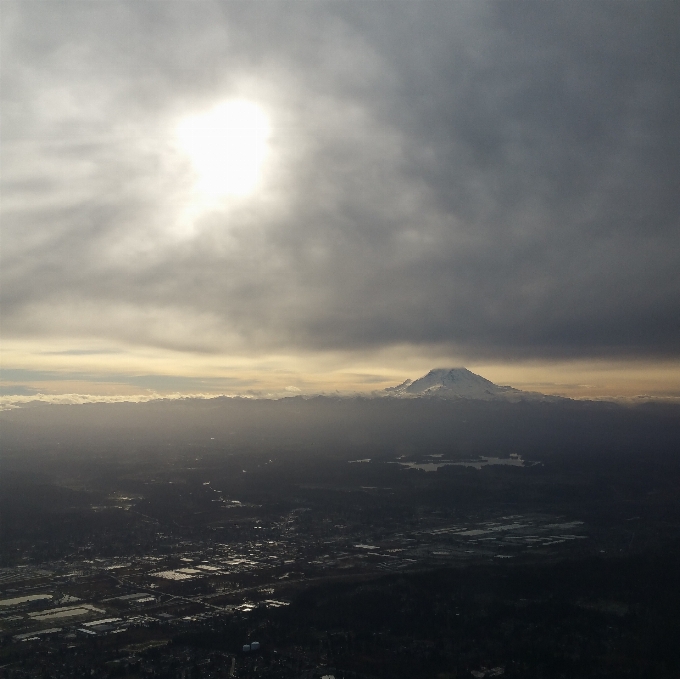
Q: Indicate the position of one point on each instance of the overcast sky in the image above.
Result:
(480, 182)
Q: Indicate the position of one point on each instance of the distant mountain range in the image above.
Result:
(460, 383)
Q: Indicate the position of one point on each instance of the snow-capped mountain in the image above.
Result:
(458, 383)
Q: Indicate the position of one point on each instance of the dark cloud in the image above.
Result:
(500, 177)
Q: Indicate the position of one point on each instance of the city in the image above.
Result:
(206, 562)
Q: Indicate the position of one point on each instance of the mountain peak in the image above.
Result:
(453, 383)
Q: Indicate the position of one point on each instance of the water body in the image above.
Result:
(512, 461)
(483, 461)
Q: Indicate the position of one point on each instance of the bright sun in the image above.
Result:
(227, 147)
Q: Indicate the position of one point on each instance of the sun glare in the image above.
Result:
(227, 147)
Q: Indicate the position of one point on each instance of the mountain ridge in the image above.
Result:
(459, 382)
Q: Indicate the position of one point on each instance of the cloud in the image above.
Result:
(498, 178)
(153, 382)
(13, 401)
(17, 390)
(82, 352)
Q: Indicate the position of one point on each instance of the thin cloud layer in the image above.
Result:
(500, 178)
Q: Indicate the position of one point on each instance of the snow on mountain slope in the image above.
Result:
(457, 383)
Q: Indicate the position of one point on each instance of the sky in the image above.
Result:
(274, 198)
